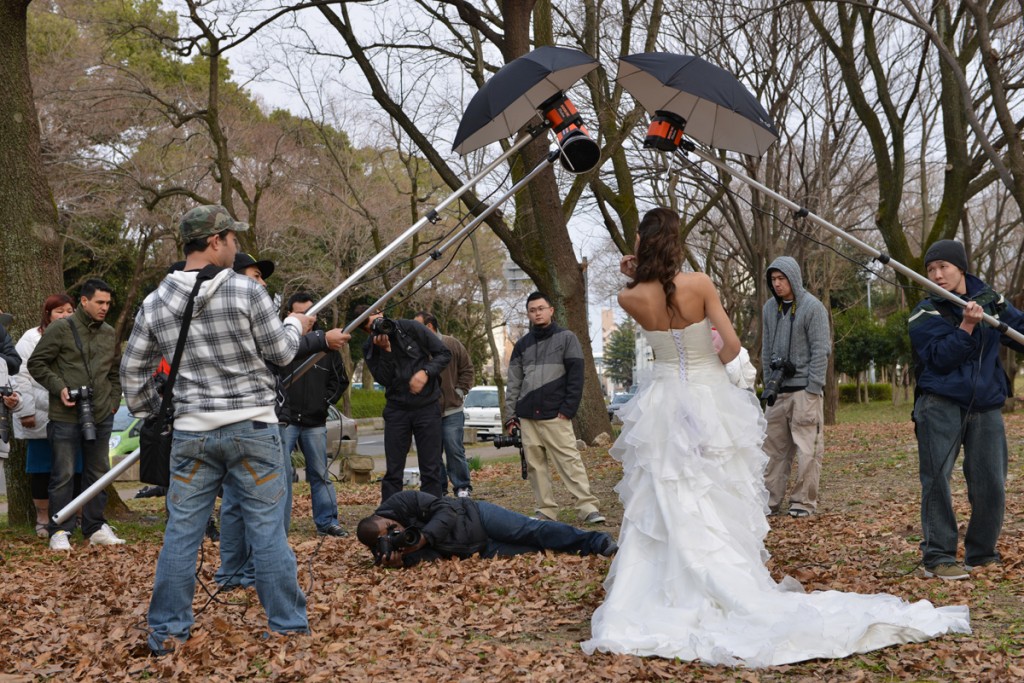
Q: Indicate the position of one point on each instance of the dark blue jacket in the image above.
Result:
(961, 367)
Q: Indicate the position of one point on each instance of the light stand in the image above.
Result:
(687, 146)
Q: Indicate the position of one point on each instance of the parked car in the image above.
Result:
(340, 427)
(482, 411)
(618, 400)
(124, 436)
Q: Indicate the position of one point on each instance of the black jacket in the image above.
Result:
(309, 395)
(413, 348)
(451, 525)
(311, 404)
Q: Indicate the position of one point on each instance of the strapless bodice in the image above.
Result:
(688, 352)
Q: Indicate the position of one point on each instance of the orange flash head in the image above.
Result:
(665, 132)
(579, 152)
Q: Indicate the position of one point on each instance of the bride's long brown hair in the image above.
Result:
(659, 255)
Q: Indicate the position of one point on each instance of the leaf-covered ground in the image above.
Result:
(82, 616)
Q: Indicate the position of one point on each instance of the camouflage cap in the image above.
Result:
(207, 220)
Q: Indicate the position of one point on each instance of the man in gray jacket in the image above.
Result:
(545, 386)
(795, 344)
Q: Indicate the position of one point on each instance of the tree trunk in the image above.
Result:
(31, 264)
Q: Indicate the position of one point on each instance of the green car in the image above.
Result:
(124, 437)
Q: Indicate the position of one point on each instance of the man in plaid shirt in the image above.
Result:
(225, 426)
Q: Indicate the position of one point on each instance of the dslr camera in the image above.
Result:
(382, 325)
(780, 370)
(82, 398)
(5, 414)
(395, 540)
(514, 439)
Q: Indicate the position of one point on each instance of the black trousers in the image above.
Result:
(401, 425)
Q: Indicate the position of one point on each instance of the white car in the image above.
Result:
(482, 412)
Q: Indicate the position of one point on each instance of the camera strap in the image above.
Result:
(81, 350)
(186, 320)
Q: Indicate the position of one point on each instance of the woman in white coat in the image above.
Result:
(31, 418)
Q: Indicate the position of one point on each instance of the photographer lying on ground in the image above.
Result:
(412, 526)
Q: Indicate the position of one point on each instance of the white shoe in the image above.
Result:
(463, 493)
(60, 541)
(105, 536)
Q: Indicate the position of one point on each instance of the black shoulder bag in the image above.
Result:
(157, 431)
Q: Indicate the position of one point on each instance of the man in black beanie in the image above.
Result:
(961, 388)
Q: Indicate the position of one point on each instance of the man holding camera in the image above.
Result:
(76, 361)
(545, 386)
(456, 381)
(795, 344)
(413, 527)
(407, 359)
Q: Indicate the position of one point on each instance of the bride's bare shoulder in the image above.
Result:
(692, 280)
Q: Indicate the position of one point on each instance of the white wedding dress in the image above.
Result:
(689, 579)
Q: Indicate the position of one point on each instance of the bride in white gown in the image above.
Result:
(689, 579)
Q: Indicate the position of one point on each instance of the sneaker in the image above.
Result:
(610, 547)
(972, 567)
(333, 530)
(211, 529)
(463, 493)
(152, 492)
(542, 517)
(798, 513)
(947, 571)
(594, 517)
(105, 536)
(60, 541)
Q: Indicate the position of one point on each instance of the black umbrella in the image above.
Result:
(512, 96)
(716, 108)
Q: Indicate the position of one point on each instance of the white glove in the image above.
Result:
(741, 371)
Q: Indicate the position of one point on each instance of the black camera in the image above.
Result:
(781, 370)
(395, 540)
(5, 414)
(514, 439)
(82, 398)
(382, 325)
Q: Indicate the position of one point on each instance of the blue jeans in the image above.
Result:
(942, 426)
(313, 444)
(510, 533)
(245, 458)
(455, 465)
(236, 564)
(66, 443)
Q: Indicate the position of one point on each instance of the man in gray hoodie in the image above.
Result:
(795, 342)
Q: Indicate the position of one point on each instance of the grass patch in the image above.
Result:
(876, 411)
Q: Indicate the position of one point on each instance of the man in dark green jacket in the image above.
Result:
(76, 360)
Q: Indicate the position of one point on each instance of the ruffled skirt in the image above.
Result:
(689, 580)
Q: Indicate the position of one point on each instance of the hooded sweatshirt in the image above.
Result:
(799, 333)
(223, 376)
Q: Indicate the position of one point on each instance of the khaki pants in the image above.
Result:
(555, 441)
(795, 428)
